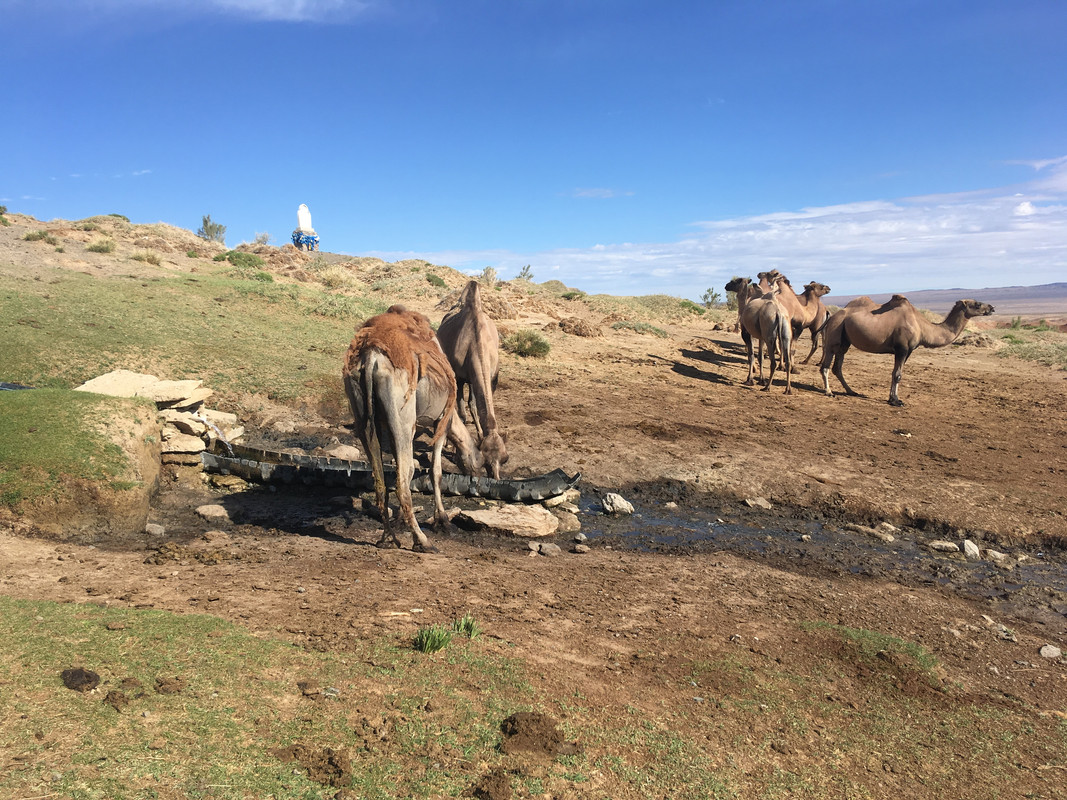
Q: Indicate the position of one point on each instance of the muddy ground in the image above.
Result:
(979, 451)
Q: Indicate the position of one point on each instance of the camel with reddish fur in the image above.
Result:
(471, 341)
(397, 379)
(895, 327)
(763, 318)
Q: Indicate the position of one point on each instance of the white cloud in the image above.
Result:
(994, 237)
(601, 194)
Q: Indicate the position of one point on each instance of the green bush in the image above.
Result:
(123, 217)
(89, 226)
(241, 260)
(435, 280)
(692, 308)
(192, 254)
(101, 246)
(576, 294)
(526, 343)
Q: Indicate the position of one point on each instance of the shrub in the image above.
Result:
(575, 294)
(692, 308)
(435, 280)
(711, 298)
(261, 238)
(212, 231)
(101, 246)
(432, 639)
(123, 217)
(192, 254)
(239, 259)
(89, 226)
(488, 276)
(525, 274)
(40, 236)
(148, 257)
(640, 327)
(526, 343)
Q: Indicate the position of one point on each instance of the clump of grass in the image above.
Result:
(432, 638)
(148, 257)
(40, 236)
(640, 327)
(575, 294)
(192, 254)
(467, 626)
(101, 246)
(1035, 343)
(526, 343)
(435, 280)
(690, 307)
(337, 277)
(123, 217)
(241, 260)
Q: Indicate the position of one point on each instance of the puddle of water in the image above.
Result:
(1035, 588)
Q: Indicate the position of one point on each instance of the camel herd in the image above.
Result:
(773, 314)
(400, 376)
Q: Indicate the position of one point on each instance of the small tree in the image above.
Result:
(261, 238)
(731, 301)
(212, 231)
(711, 298)
(525, 274)
(488, 276)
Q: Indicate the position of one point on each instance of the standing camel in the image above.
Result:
(895, 327)
(804, 310)
(763, 318)
(472, 344)
(396, 378)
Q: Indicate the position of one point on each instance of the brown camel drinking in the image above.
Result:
(397, 378)
(762, 317)
(895, 327)
(471, 341)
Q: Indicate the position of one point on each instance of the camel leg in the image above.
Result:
(839, 361)
(751, 367)
(440, 516)
(814, 345)
(901, 358)
(787, 354)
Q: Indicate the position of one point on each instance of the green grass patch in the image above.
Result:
(49, 437)
(1038, 342)
(210, 325)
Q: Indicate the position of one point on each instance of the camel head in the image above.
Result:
(494, 452)
(817, 289)
(470, 460)
(975, 308)
(769, 277)
(738, 285)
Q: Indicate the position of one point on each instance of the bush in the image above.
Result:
(192, 254)
(101, 246)
(526, 343)
(640, 327)
(575, 294)
(435, 280)
(123, 217)
(692, 308)
(488, 276)
(148, 257)
(261, 238)
(212, 231)
(40, 236)
(525, 274)
(242, 260)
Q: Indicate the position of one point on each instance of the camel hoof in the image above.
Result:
(385, 544)
(897, 403)
(424, 548)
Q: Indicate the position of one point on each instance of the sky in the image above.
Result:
(626, 147)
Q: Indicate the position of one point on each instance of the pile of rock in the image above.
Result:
(188, 426)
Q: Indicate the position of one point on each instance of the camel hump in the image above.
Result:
(896, 301)
(861, 302)
(407, 340)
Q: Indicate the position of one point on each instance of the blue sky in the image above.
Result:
(618, 146)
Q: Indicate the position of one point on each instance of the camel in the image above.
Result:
(762, 317)
(397, 377)
(472, 344)
(895, 327)
(805, 310)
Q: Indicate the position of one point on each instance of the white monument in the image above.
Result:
(303, 219)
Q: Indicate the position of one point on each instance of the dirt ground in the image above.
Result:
(979, 451)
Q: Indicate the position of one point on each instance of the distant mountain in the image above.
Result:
(1048, 299)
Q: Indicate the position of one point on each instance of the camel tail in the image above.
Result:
(370, 428)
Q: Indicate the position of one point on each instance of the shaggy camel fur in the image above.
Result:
(763, 318)
(896, 327)
(396, 378)
(471, 341)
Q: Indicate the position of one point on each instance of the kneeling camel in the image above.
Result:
(895, 327)
(396, 378)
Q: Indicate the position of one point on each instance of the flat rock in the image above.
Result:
(120, 383)
(213, 513)
(183, 443)
(1050, 651)
(616, 504)
(531, 522)
(942, 546)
